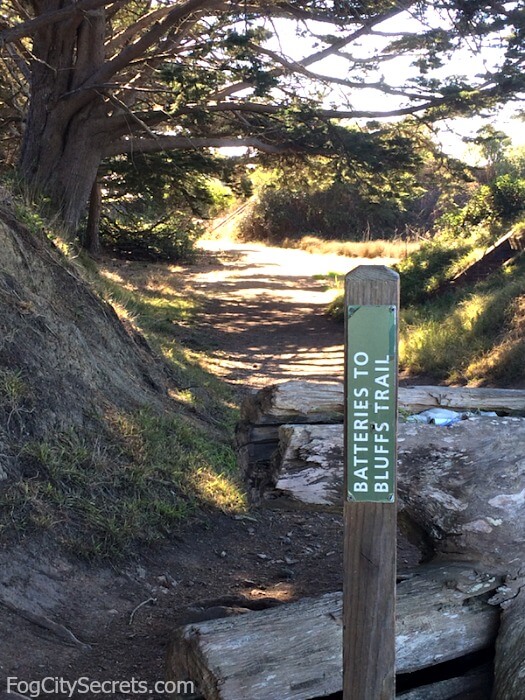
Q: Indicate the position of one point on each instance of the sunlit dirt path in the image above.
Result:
(264, 311)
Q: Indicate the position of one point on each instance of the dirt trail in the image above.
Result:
(262, 315)
(264, 312)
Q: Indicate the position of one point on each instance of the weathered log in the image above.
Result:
(310, 402)
(294, 651)
(509, 665)
(308, 466)
(475, 685)
(463, 484)
(294, 402)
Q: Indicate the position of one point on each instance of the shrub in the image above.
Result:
(473, 335)
(424, 271)
(147, 236)
(338, 211)
(508, 195)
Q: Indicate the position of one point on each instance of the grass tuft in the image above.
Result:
(476, 335)
(392, 249)
(103, 502)
(144, 473)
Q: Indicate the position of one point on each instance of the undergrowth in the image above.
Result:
(476, 335)
(103, 497)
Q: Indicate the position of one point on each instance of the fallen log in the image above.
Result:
(509, 664)
(300, 402)
(309, 402)
(475, 685)
(308, 465)
(294, 651)
(464, 485)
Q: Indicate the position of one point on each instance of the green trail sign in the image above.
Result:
(371, 403)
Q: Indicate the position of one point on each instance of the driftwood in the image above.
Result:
(294, 651)
(463, 484)
(476, 685)
(509, 663)
(308, 402)
(308, 465)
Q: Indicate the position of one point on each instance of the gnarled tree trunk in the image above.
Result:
(63, 143)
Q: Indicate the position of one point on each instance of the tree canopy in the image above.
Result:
(85, 80)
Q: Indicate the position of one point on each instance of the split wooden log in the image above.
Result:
(464, 485)
(308, 465)
(294, 652)
(509, 665)
(309, 402)
(301, 402)
(475, 685)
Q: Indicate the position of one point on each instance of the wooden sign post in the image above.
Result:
(371, 340)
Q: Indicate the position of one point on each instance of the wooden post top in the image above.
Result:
(372, 284)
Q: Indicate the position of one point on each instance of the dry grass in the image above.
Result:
(477, 336)
(392, 249)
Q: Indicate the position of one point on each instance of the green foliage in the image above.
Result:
(385, 181)
(475, 335)
(461, 236)
(103, 503)
(491, 206)
(425, 271)
(508, 196)
(284, 213)
(144, 236)
(154, 203)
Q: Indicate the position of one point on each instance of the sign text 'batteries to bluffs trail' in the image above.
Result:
(371, 409)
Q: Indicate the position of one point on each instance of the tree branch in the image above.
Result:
(296, 67)
(180, 14)
(168, 143)
(128, 33)
(323, 53)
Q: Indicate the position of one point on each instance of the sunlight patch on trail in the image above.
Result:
(267, 312)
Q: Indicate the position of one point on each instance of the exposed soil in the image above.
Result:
(263, 317)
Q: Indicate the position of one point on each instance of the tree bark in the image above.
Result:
(92, 235)
(464, 485)
(475, 685)
(311, 402)
(61, 150)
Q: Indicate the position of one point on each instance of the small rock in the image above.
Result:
(245, 517)
(286, 574)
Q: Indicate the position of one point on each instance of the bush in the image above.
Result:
(337, 212)
(423, 272)
(508, 195)
(148, 237)
(492, 207)
(475, 335)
